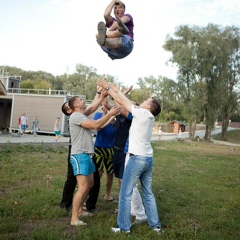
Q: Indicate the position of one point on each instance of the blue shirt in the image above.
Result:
(106, 136)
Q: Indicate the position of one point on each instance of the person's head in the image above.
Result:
(77, 103)
(153, 105)
(119, 9)
(104, 109)
(66, 109)
(58, 118)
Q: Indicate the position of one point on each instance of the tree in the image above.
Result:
(207, 65)
(183, 48)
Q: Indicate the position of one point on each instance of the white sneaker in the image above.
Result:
(118, 230)
(157, 230)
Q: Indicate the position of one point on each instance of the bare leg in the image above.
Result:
(84, 185)
(109, 183)
(113, 43)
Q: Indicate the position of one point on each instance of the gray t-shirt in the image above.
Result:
(81, 138)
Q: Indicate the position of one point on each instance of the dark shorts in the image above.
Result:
(103, 157)
(118, 163)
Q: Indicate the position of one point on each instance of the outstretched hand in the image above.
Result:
(114, 87)
(99, 88)
(114, 111)
(102, 83)
(127, 90)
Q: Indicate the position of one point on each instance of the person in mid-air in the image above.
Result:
(117, 42)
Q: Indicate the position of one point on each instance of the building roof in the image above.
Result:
(3, 90)
(180, 123)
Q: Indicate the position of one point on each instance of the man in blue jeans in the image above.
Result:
(140, 164)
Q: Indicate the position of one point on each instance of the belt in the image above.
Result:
(118, 148)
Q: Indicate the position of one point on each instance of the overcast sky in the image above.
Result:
(55, 35)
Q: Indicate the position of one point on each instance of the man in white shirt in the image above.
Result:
(140, 165)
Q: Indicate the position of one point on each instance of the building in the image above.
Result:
(46, 104)
(178, 126)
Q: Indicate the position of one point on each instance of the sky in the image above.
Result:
(55, 35)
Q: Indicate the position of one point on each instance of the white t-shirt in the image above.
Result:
(140, 134)
(81, 138)
(24, 120)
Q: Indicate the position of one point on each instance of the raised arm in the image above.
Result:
(99, 97)
(118, 96)
(107, 14)
(97, 124)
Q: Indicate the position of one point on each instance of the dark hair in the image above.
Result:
(71, 102)
(122, 4)
(155, 106)
(65, 109)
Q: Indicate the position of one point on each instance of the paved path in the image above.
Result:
(29, 138)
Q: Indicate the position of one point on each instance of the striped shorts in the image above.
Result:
(103, 157)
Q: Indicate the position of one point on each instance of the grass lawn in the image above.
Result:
(196, 185)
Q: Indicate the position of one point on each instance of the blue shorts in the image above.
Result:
(82, 164)
(58, 133)
(122, 52)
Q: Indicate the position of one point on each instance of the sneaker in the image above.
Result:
(101, 33)
(140, 221)
(118, 230)
(122, 27)
(157, 230)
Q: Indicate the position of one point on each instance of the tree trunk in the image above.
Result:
(225, 124)
(208, 132)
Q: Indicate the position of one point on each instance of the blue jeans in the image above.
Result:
(138, 167)
(123, 51)
(35, 130)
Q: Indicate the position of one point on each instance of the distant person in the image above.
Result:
(57, 129)
(20, 132)
(117, 42)
(35, 126)
(160, 132)
(24, 123)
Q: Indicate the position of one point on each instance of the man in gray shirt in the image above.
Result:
(81, 153)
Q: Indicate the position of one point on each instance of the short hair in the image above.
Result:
(65, 109)
(121, 3)
(155, 107)
(71, 102)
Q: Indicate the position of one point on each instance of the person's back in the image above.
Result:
(122, 131)
(141, 132)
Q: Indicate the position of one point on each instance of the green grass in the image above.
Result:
(233, 136)
(196, 185)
